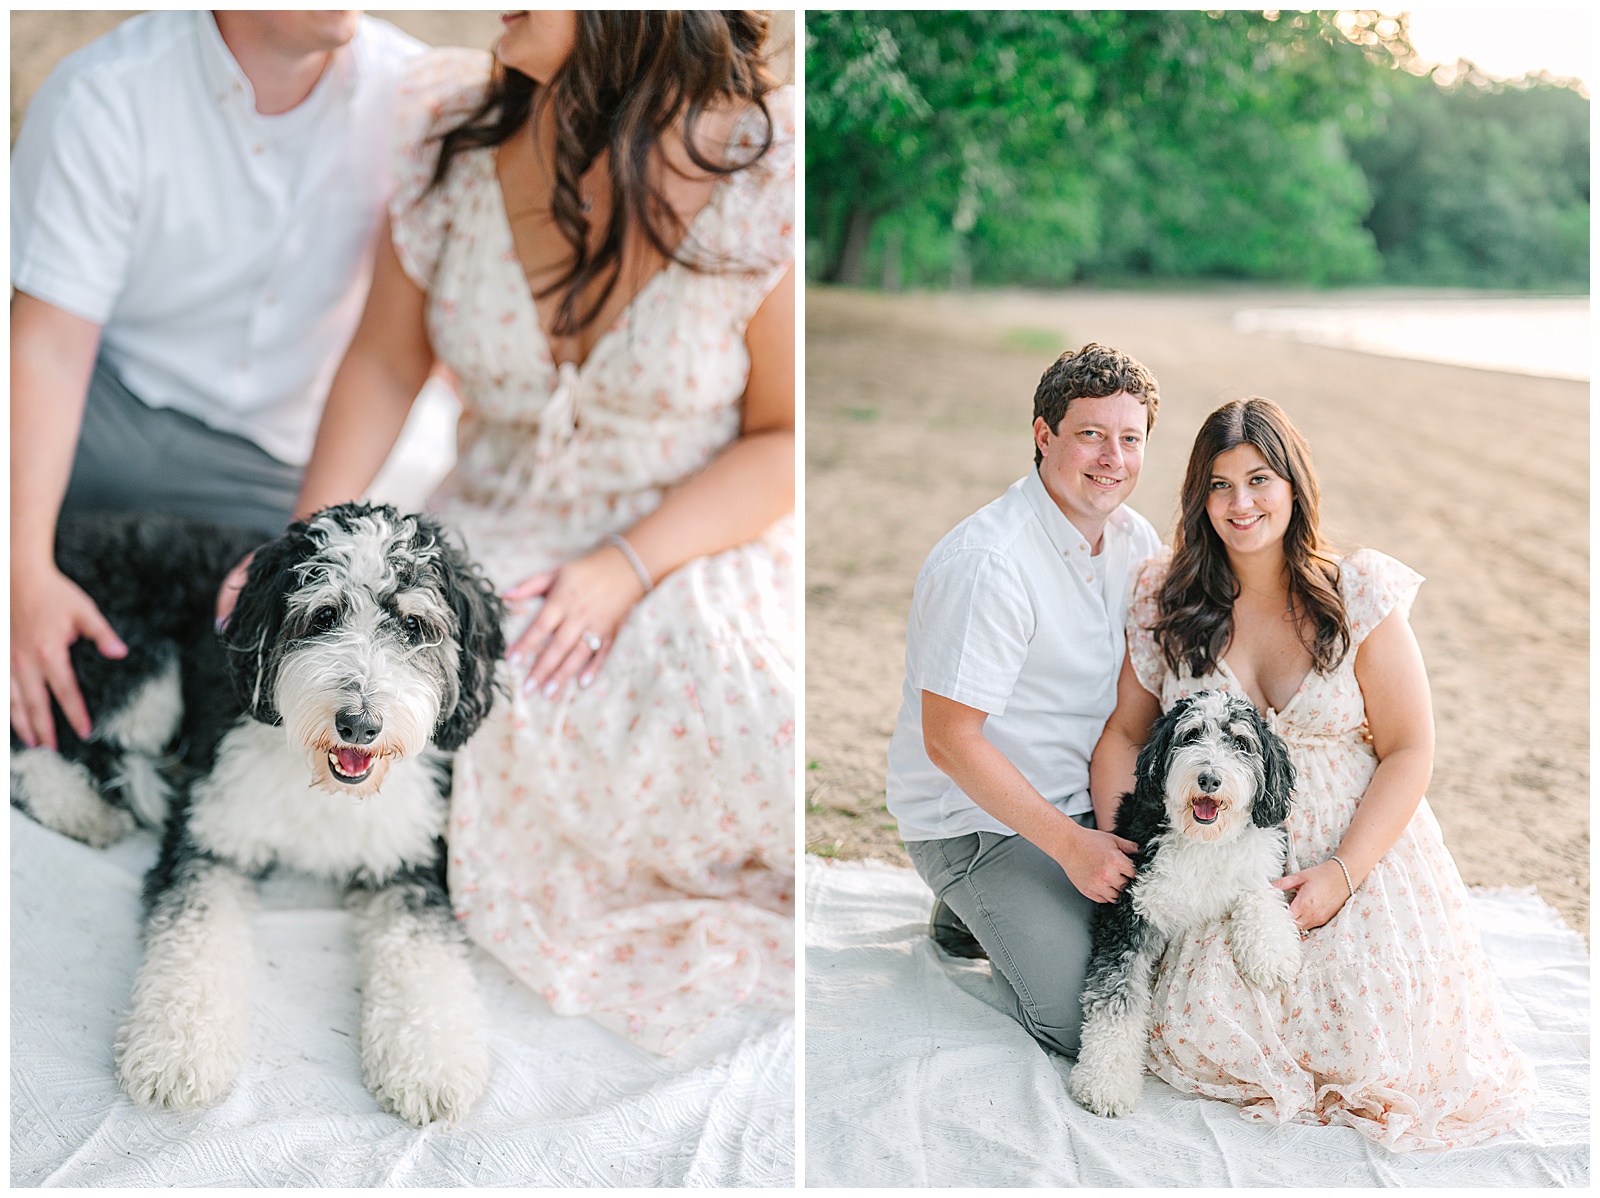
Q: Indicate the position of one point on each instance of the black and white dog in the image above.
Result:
(1211, 793)
(314, 734)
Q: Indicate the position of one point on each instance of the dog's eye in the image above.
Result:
(413, 627)
(1242, 743)
(324, 619)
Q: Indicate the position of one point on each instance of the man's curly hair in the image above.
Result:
(1092, 372)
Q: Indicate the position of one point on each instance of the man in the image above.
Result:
(193, 202)
(1013, 649)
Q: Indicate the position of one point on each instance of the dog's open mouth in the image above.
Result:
(1205, 810)
(350, 765)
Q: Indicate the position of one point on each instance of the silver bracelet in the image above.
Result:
(621, 542)
(1346, 872)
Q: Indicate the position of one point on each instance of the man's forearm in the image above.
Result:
(52, 359)
(989, 779)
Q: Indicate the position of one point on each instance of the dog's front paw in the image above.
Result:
(1110, 1093)
(100, 828)
(62, 795)
(1110, 1069)
(176, 1063)
(427, 1083)
(1268, 952)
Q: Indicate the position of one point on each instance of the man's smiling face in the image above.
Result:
(1091, 462)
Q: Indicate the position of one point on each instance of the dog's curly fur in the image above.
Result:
(1211, 793)
(314, 734)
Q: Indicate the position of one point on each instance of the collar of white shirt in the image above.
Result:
(226, 80)
(1063, 533)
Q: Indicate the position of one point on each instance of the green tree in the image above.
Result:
(1049, 147)
(1480, 183)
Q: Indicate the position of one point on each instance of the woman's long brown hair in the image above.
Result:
(630, 76)
(1195, 606)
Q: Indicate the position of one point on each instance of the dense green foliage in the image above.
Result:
(1049, 147)
(1480, 185)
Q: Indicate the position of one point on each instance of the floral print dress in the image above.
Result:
(626, 849)
(1390, 1027)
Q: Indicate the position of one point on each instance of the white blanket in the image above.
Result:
(915, 1077)
(569, 1104)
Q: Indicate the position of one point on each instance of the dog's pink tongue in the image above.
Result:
(353, 762)
(1205, 809)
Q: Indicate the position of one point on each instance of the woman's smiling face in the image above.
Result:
(1248, 502)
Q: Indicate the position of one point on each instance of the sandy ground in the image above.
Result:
(41, 39)
(917, 413)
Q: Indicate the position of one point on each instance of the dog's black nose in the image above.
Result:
(357, 727)
(1209, 782)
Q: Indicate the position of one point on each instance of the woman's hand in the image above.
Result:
(1321, 892)
(585, 602)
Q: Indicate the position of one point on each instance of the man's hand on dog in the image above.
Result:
(1097, 863)
(48, 613)
(228, 592)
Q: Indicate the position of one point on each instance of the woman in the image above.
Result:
(596, 235)
(1390, 1027)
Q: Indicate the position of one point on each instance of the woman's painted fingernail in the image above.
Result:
(550, 688)
(529, 686)
(516, 657)
(586, 680)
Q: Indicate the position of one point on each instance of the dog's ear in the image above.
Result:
(252, 635)
(1277, 788)
(1150, 769)
(480, 613)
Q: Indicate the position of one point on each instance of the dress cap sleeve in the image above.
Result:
(439, 91)
(1149, 665)
(1375, 584)
(752, 235)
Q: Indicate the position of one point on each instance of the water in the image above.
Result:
(1544, 337)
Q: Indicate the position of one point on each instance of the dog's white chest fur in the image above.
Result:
(257, 808)
(1189, 884)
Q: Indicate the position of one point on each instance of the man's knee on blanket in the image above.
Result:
(1057, 1028)
(1052, 1014)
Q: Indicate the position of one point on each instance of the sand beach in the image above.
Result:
(917, 413)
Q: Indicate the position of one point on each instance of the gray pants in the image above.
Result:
(1029, 918)
(132, 457)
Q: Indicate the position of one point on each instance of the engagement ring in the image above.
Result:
(592, 641)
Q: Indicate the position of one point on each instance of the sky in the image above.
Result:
(1505, 43)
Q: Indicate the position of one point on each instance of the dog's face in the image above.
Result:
(1219, 766)
(367, 635)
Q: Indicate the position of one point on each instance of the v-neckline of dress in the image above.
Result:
(1278, 712)
(625, 313)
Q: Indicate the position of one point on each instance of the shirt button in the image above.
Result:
(257, 149)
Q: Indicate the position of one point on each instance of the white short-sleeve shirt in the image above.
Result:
(226, 262)
(1012, 615)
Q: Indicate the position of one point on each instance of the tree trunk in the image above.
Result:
(851, 266)
(960, 267)
(893, 245)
